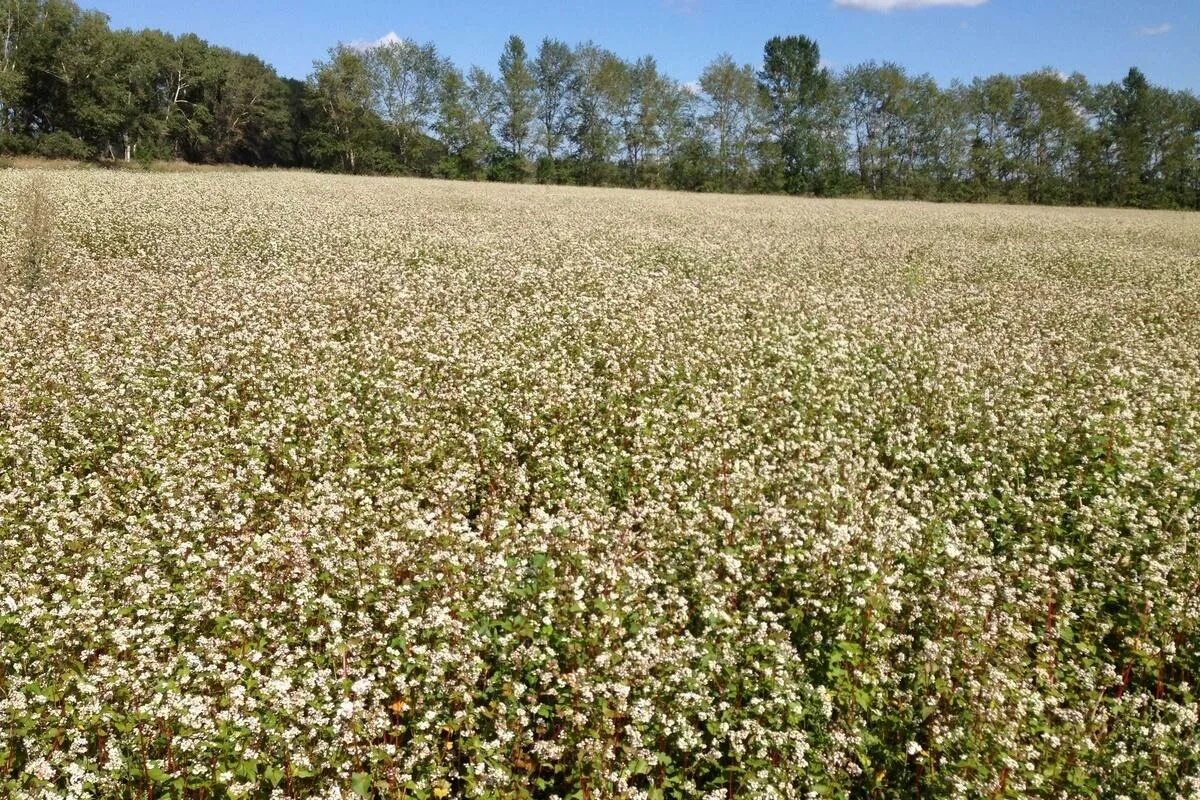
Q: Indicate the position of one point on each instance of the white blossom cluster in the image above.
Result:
(319, 486)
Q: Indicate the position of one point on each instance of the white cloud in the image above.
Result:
(391, 37)
(1155, 30)
(896, 5)
(685, 7)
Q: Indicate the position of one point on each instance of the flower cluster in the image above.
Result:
(330, 486)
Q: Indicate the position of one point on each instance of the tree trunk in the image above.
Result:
(7, 40)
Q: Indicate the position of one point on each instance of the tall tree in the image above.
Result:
(691, 163)
(555, 80)
(676, 117)
(796, 86)
(15, 22)
(136, 68)
(735, 117)
(185, 65)
(461, 129)
(251, 121)
(485, 98)
(341, 96)
(602, 96)
(638, 97)
(72, 87)
(987, 105)
(1177, 147)
(1131, 125)
(1046, 124)
(933, 157)
(878, 103)
(35, 86)
(519, 95)
(405, 78)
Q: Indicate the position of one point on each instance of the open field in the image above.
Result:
(330, 486)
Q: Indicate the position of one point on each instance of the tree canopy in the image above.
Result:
(72, 87)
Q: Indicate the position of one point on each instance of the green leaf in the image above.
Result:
(361, 784)
(274, 775)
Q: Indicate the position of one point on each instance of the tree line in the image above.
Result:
(70, 86)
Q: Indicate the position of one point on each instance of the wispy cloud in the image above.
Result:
(684, 7)
(899, 5)
(391, 37)
(1155, 30)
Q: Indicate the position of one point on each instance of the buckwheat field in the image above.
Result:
(339, 487)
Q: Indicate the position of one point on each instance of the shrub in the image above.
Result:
(508, 167)
(12, 144)
(62, 145)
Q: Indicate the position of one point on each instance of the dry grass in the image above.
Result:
(174, 166)
(33, 162)
(38, 162)
(35, 261)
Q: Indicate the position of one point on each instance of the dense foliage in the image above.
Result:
(337, 487)
(70, 87)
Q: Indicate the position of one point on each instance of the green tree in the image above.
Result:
(1131, 122)
(735, 118)
(675, 116)
(643, 102)
(796, 87)
(340, 92)
(1177, 145)
(14, 23)
(88, 105)
(141, 127)
(405, 79)
(462, 131)
(251, 121)
(35, 90)
(692, 164)
(987, 105)
(879, 103)
(555, 80)
(601, 91)
(933, 156)
(484, 98)
(1046, 126)
(518, 91)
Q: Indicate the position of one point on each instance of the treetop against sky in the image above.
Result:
(949, 39)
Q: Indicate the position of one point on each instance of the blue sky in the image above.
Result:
(946, 38)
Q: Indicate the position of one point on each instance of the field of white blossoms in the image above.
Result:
(331, 487)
